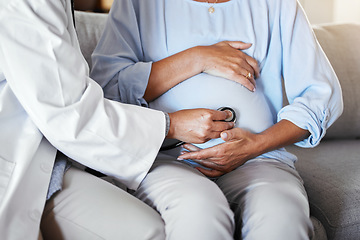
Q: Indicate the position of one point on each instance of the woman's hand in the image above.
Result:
(240, 146)
(198, 125)
(225, 59)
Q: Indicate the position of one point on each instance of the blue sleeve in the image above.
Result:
(117, 59)
(312, 88)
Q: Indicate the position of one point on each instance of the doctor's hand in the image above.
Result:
(198, 125)
(225, 59)
(239, 146)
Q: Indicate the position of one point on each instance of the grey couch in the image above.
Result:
(331, 171)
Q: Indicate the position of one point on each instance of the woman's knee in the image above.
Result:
(194, 191)
(186, 199)
(204, 196)
(268, 210)
(91, 208)
(202, 210)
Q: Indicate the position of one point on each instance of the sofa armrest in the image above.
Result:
(340, 44)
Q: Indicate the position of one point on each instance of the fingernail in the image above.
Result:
(224, 135)
(180, 158)
(228, 113)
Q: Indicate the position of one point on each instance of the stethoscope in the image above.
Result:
(231, 118)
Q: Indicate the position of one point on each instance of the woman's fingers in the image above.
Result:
(226, 59)
(190, 147)
(251, 61)
(199, 154)
(239, 44)
(246, 81)
(210, 172)
(254, 64)
(244, 68)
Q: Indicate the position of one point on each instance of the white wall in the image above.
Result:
(347, 11)
(326, 11)
(319, 11)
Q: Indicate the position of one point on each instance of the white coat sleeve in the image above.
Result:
(42, 63)
(311, 85)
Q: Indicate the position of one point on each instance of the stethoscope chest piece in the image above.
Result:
(232, 117)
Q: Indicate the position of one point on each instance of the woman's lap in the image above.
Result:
(265, 189)
(267, 198)
(269, 201)
(192, 206)
(91, 208)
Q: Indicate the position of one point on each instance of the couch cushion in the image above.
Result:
(331, 173)
(340, 42)
(89, 27)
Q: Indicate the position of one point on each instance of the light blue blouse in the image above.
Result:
(140, 32)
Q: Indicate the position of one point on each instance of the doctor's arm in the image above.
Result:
(49, 78)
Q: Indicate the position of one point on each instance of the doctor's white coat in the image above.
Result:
(48, 102)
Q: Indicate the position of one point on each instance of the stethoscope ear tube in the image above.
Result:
(232, 118)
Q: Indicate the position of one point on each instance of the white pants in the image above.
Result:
(267, 200)
(91, 208)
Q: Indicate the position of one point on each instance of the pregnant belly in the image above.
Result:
(206, 91)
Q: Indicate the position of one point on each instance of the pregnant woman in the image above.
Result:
(186, 54)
